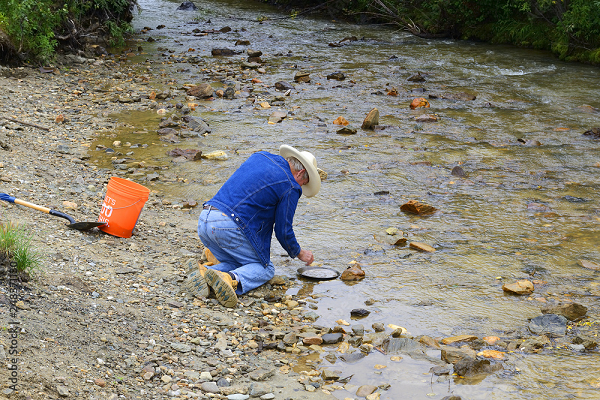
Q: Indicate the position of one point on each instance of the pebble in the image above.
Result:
(238, 396)
(210, 387)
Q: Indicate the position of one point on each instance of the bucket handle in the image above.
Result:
(120, 208)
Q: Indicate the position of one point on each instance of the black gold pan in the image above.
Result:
(318, 273)
(80, 226)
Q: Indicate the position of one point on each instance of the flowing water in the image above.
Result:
(523, 210)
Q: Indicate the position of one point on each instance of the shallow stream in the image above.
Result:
(528, 206)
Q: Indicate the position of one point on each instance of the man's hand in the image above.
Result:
(306, 256)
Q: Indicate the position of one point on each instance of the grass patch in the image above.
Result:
(16, 242)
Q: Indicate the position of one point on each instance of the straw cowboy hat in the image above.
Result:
(310, 164)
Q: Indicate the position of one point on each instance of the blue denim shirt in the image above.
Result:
(260, 195)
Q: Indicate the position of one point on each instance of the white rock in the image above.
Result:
(238, 396)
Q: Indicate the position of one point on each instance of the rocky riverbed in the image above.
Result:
(106, 317)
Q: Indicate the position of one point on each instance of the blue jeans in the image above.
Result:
(230, 246)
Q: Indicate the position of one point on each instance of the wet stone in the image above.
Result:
(365, 390)
(352, 357)
(353, 273)
(358, 330)
(458, 171)
(329, 375)
(551, 325)
(470, 367)
(378, 327)
(359, 313)
(347, 131)
(442, 369)
(522, 287)
(311, 316)
(371, 120)
(312, 340)
(338, 76)
(332, 338)
(571, 311)
(283, 86)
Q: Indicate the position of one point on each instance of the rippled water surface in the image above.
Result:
(522, 211)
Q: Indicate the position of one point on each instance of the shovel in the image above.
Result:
(80, 226)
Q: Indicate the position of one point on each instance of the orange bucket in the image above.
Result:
(122, 206)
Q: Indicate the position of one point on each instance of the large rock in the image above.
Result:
(338, 76)
(353, 273)
(419, 102)
(197, 124)
(551, 325)
(402, 345)
(190, 154)
(365, 390)
(594, 132)
(277, 116)
(452, 354)
(302, 77)
(283, 86)
(469, 367)
(571, 311)
(371, 120)
(520, 287)
(332, 338)
(201, 91)
(418, 208)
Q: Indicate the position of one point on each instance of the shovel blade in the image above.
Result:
(84, 226)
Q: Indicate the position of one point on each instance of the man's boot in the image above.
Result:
(223, 286)
(195, 282)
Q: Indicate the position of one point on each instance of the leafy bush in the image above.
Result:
(38, 27)
(30, 24)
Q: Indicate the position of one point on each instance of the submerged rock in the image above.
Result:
(283, 86)
(551, 325)
(458, 171)
(338, 76)
(346, 131)
(571, 311)
(594, 132)
(422, 247)
(470, 367)
(190, 154)
(187, 6)
(197, 124)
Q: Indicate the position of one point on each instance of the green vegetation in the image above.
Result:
(36, 28)
(569, 28)
(15, 242)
